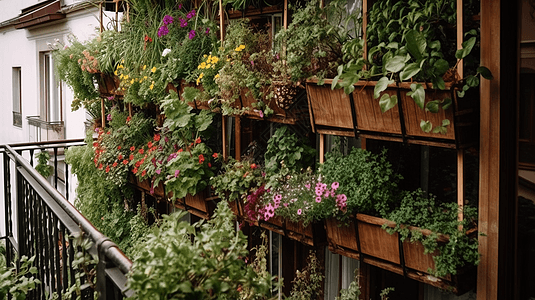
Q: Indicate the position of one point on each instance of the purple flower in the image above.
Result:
(176, 173)
(171, 156)
(167, 19)
(166, 139)
(152, 190)
(207, 31)
(191, 14)
(158, 171)
(108, 117)
(252, 63)
(191, 34)
(183, 22)
(111, 98)
(162, 31)
(180, 6)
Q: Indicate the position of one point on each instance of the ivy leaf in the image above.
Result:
(438, 83)
(416, 43)
(381, 86)
(460, 94)
(409, 71)
(432, 106)
(472, 81)
(466, 49)
(440, 129)
(446, 103)
(426, 126)
(418, 94)
(441, 66)
(396, 64)
(387, 102)
(446, 122)
(485, 72)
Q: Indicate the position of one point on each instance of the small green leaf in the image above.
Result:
(438, 83)
(416, 43)
(446, 103)
(467, 48)
(485, 72)
(381, 86)
(432, 106)
(460, 94)
(441, 66)
(387, 102)
(446, 122)
(417, 94)
(472, 81)
(426, 126)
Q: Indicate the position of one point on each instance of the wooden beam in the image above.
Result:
(498, 150)
(322, 148)
(460, 35)
(460, 182)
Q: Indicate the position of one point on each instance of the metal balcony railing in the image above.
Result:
(38, 220)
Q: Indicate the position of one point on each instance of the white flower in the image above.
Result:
(166, 51)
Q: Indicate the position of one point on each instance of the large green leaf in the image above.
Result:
(409, 71)
(432, 106)
(467, 48)
(381, 86)
(472, 81)
(387, 102)
(418, 94)
(395, 64)
(441, 66)
(485, 72)
(416, 43)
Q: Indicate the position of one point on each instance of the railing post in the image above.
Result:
(7, 208)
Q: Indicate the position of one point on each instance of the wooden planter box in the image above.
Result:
(364, 239)
(179, 89)
(331, 111)
(108, 85)
(313, 234)
(200, 204)
(370, 119)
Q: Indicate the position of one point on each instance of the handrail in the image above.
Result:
(58, 208)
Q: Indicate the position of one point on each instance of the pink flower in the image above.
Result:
(299, 211)
(335, 185)
(167, 19)
(183, 22)
(307, 186)
(176, 173)
(158, 171)
(191, 14)
(163, 31)
(108, 117)
(277, 197)
(318, 199)
(285, 204)
(191, 34)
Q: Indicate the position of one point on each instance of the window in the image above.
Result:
(51, 100)
(17, 96)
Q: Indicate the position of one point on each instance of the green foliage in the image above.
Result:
(385, 292)
(85, 267)
(315, 37)
(42, 164)
(367, 180)
(200, 261)
(352, 292)
(106, 205)
(77, 66)
(237, 178)
(307, 282)
(421, 212)
(285, 149)
(17, 283)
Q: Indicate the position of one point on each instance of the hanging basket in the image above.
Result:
(284, 94)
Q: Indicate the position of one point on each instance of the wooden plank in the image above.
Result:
(460, 34)
(498, 150)
(237, 137)
(460, 182)
(322, 148)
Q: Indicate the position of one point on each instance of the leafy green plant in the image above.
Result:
(352, 292)
(450, 236)
(285, 149)
(367, 179)
(237, 179)
(200, 261)
(43, 157)
(307, 282)
(314, 39)
(17, 282)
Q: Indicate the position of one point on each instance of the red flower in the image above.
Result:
(149, 144)
(156, 137)
(148, 38)
(128, 119)
(118, 147)
(95, 144)
(209, 165)
(253, 166)
(198, 140)
(201, 159)
(214, 155)
(138, 164)
(180, 150)
(114, 164)
(144, 173)
(132, 148)
(125, 162)
(141, 151)
(109, 132)
(107, 169)
(120, 157)
(100, 166)
(131, 157)
(134, 171)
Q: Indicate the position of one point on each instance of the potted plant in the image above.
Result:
(413, 44)
(311, 47)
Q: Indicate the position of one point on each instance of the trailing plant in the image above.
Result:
(307, 283)
(367, 179)
(408, 40)
(17, 282)
(237, 179)
(437, 227)
(199, 261)
(285, 149)
(353, 290)
(313, 41)
(43, 157)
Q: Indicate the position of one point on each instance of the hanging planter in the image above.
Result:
(363, 238)
(200, 204)
(179, 89)
(331, 111)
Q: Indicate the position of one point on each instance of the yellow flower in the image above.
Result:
(132, 81)
(153, 69)
(216, 76)
(200, 77)
(208, 66)
(144, 67)
(145, 77)
(215, 59)
(202, 65)
(121, 76)
(204, 56)
(126, 77)
(151, 86)
(115, 72)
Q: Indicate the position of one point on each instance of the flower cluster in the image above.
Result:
(208, 63)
